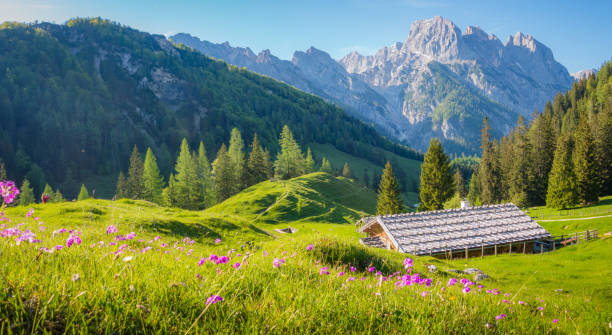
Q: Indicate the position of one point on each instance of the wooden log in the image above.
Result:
(524, 247)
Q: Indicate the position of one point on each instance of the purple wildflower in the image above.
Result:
(499, 317)
(217, 240)
(466, 289)
(555, 320)
(111, 229)
(213, 299)
(202, 261)
(371, 269)
(309, 247)
(353, 269)
(222, 260)
(213, 258)
(452, 282)
(340, 274)
(8, 191)
(72, 240)
(407, 263)
(278, 262)
(324, 271)
(236, 266)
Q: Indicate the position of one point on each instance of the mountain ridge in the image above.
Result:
(392, 89)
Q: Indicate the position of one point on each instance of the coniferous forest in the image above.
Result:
(561, 158)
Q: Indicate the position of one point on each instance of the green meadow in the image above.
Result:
(157, 272)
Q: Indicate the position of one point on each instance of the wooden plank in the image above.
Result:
(495, 249)
(524, 247)
(466, 252)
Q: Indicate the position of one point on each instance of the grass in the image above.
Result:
(603, 207)
(337, 158)
(163, 290)
(317, 197)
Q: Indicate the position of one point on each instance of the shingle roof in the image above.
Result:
(445, 230)
(376, 242)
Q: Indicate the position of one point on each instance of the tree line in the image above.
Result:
(562, 158)
(196, 184)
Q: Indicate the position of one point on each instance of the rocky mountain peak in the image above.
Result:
(437, 38)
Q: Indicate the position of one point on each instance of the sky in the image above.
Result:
(578, 32)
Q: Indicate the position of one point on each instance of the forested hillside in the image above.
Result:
(76, 98)
(561, 158)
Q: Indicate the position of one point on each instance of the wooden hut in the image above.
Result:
(464, 232)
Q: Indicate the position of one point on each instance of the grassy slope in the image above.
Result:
(122, 296)
(337, 159)
(317, 198)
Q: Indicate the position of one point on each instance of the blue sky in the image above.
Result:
(578, 32)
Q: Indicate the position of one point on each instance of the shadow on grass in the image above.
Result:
(177, 228)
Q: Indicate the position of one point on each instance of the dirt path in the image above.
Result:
(576, 219)
(271, 206)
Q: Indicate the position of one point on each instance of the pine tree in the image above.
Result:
(366, 178)
(205, 176)
(83, 194)
(603, 140)
(187, 185)
(489, 170)
(151, 178)
(59, 197)
(474, 191)
(122, 187)
(290, 161)
(256, 165)
(518, 176)
(585, 164)
(26, 196)
(389, 200)
(346, 171)
(222, 171)
(459, 183)
(436, 180)
(543, 141)
(326, 166)
(562, 188)
(309, 163)
(268, 164)
(169, 193)
(3, 175)
(135, 184)
(237, 160)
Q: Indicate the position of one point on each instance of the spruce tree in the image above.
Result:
(585, 164)
(562, 188)
(26, 195)
(459, 183)
(366, 178)
(309, 164)
(59, 197)
(389, 200)
(135, 185)
(237, 160)
(474, 190)
(436, 180)
(222, 171)
(169, 193)
(346, 171)
(268, 164)
(151, 178)
(187, 186)
(122, 187)
(83, 194)
(543, 140)
(603, 140)
(256, 165)
(489, 171)
(3, 175)
(290, 161)
(205, 176)
(518, 177)
(326, 166)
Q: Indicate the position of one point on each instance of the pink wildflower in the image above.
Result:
(540, 308)
(222, 260)
(111, 229)
(236, 266)
(353, 269)
(217, 240)
(278, 262)
(8, 191)
(202, 261)
(555, 320)
(72, 240)
(371, 269)
(451, 282)
(309, 247)
(407, 263)
(423, 294)
(213, 299)
(30, 212)
(324, 271)
(466, 289)
(340, 274)
(350, 279)
(521, 302)
(501, 316)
